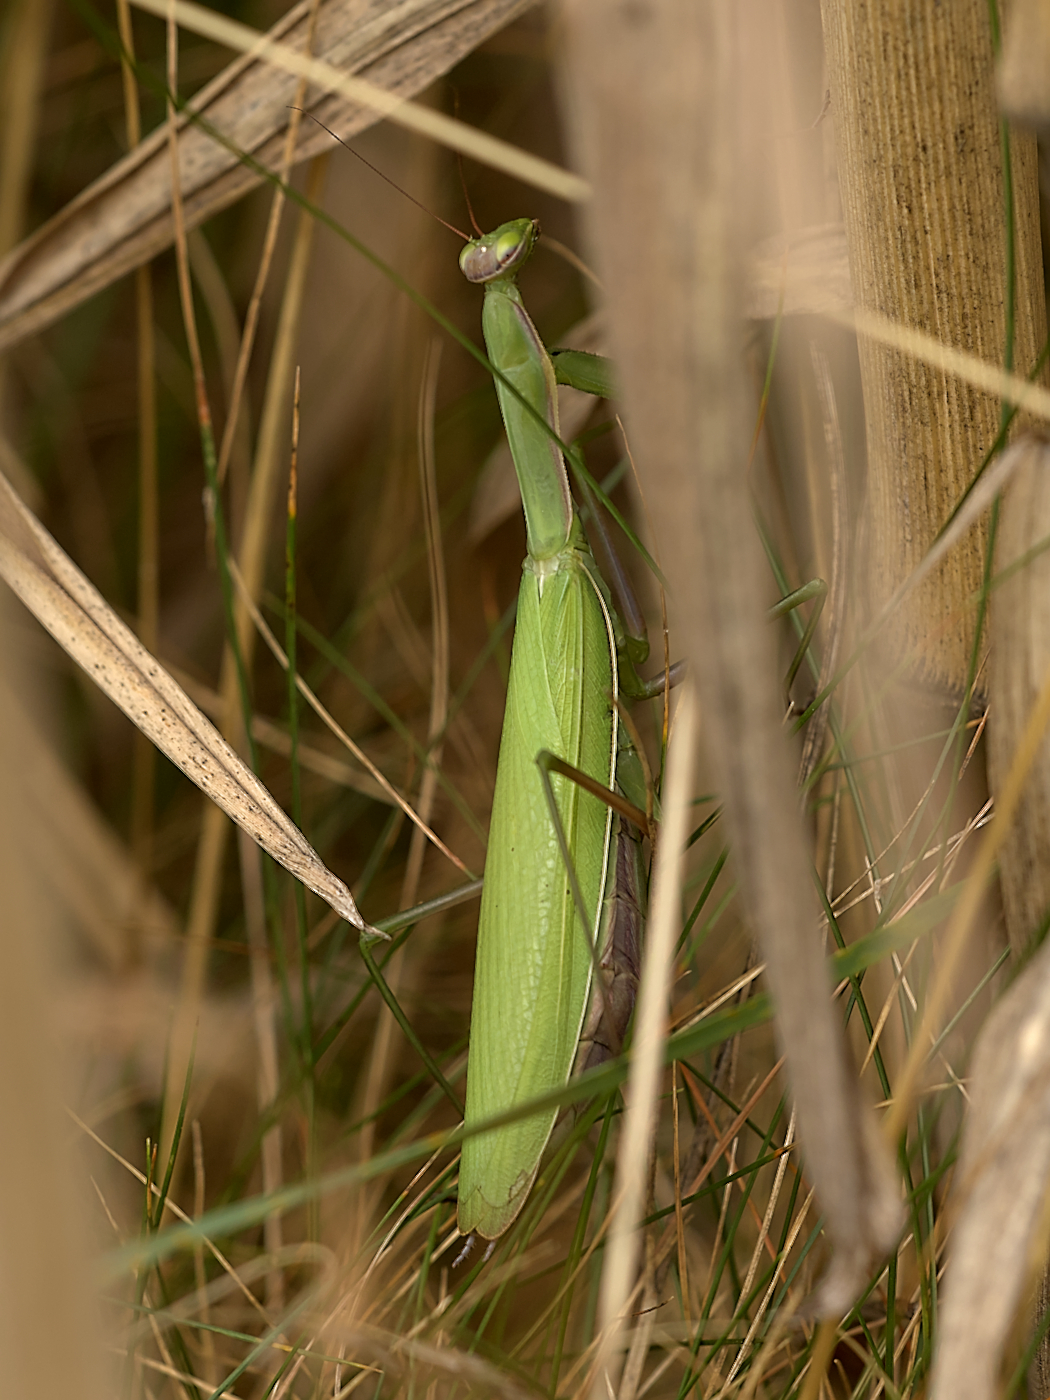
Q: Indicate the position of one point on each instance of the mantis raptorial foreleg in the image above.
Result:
(610, 1014)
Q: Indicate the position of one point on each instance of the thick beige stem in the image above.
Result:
(920, 170)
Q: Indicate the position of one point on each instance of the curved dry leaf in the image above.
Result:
(1002, 1176)
(413, 116)
(82, 622)
(124, 218)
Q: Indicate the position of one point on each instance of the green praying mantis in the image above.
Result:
(557, 852)
(561, 907)
(545, 888)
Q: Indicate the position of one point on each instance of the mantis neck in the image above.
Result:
(516, 351)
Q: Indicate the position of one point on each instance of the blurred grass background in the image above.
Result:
(358, 1289)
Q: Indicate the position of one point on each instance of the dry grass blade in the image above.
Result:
(632, 1165)
(967, 911)
(83, 623)
(404, 1358)
(666, 245)
(1026, 395)
(124, 218)
(999, 1239)
(811, 288)
(815, 281)
(386, 789)
(1018, 663)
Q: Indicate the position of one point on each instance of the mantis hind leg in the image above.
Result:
(620, 960)
(616, 957)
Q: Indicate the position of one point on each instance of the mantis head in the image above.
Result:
(501, 253)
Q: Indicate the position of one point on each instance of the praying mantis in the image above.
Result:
(544, 890)
(562, 892)
(548, 869)
(563, 873)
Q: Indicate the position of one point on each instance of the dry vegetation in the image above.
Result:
(216, 1035)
